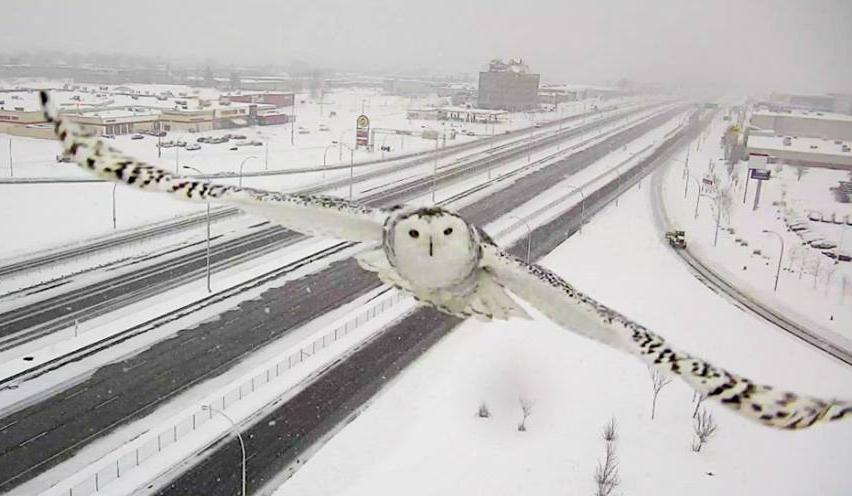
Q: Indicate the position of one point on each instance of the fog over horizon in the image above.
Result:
(766, 44)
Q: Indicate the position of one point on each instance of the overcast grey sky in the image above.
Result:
(787, 45)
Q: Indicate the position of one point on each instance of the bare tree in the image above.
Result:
(658, 382)
(701, 398)
(609, 433)
(526, 411)
(483, 411)
(704, 428)
(606, 473)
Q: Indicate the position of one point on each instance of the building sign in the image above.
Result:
(757, 160)
(362, 131)
(760, 174)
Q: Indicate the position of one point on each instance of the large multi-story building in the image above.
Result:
(508, 86)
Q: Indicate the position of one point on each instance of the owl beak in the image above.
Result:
(430, 246)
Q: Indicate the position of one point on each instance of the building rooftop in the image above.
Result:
(805, 114)
(816, 150)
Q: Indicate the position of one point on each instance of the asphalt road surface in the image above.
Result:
(278, 440)
(43, 434)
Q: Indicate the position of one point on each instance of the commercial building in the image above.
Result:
(801, 151)
(460, 114)
(277, 99)
(508, 86)
(805, 123)
(831, 102)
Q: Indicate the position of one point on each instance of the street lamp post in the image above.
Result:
(11, 162)
(582, 205)
(241, 168)
(209, 288)
(697, 192)
(780, 256)
(351, 167)
(114, 186)
(529, 235)
(435, 172)
(239, 437)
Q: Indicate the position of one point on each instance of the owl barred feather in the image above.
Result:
(440, 259)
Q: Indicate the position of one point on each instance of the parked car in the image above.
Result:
(324, 128)
(193, 146)
(233, 148)
(180, 143)
(137, 137)
(236, 136)
(166, 144)
(823, 245)
(108, 136)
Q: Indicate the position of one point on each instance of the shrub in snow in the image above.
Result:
(704, 428)
(606, 474)
(658, 382)
(526, 411)
(483, 411)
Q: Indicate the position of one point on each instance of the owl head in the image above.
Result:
(431, 247)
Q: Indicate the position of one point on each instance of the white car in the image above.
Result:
(193, 146)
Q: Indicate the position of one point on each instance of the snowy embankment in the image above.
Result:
(813, 290)
(423, 435)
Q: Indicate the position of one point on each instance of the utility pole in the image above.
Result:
(209, 289)
(114, 186)
(266, 157)
(435, 172)
(11, 169)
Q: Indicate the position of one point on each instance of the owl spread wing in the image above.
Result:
(572, 309)
(307, 214)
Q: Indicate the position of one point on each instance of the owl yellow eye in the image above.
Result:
(413, 233)
(448, 231)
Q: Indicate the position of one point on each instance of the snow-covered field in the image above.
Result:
(422, 435)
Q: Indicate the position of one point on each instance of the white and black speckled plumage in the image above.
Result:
(454, 266)
(575, 310)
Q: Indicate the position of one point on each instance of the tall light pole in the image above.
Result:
(685, 172)
(236, 431)
(114, 186)
(435, 172)
(780, 256)
(177, 155)
(11, 162)
(529, 146)
(266, 156)
(529, 234)
(209, 289)
(351, 167)
(582, 205)
(241, 169)
(697, 192)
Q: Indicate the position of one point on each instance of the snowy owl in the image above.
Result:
(444, 261)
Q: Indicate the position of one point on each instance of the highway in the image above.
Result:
(724, 287)
(41, 318)
(43, 434)
(280, 441)
(193, 220)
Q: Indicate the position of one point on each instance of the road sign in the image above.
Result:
(760, 174)
(362, 131)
